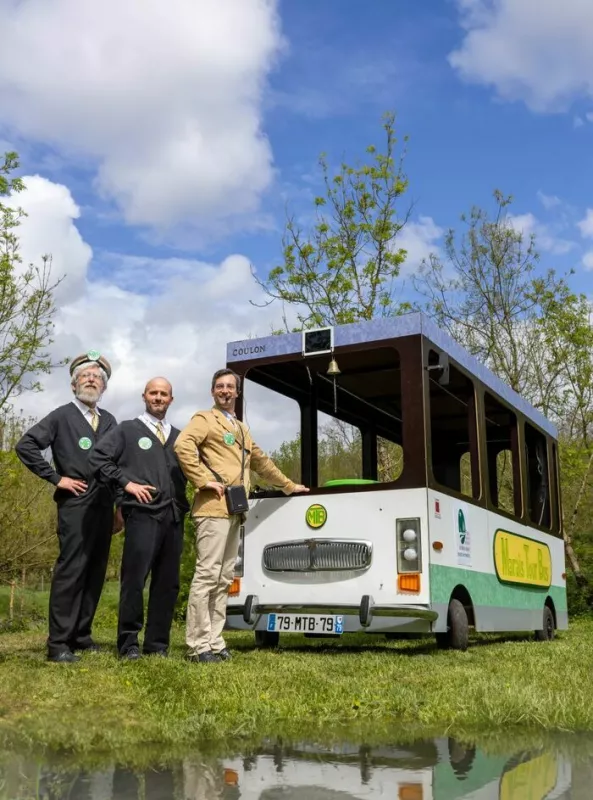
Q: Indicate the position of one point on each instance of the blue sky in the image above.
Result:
(167, 145)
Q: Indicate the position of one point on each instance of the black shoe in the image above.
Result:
(89, 648)
(63, 657)
(224, 654)
(131, 654)
(204, 658)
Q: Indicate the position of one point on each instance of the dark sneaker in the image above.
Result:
(64, 657)
(204, 658)
(131, 654)
(89, 648)
(224, 654)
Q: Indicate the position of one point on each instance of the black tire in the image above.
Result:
(549, 628)
(457, 635)
(461, 757)
(266, 639)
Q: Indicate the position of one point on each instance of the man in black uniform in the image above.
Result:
(85, 506)
(138, 455)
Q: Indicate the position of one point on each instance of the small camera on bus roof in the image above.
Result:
(318, 341)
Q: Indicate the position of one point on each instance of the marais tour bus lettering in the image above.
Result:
(522, 560)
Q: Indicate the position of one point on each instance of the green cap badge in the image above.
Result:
(93, 355)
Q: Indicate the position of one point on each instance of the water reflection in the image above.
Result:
(439, 769)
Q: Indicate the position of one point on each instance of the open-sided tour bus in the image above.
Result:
(450, 521)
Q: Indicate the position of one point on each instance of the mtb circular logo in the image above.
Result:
(316, 516)
(85, 443)
(145, 443)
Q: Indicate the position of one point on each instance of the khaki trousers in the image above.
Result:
(217, 546)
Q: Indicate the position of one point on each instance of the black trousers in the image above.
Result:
(84, 533)
(153, 545)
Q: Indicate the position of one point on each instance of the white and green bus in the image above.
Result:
(449, 520)
(439, 769)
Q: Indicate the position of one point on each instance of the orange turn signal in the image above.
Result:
(564, 576)
(235, 587)
(410, 791)
(438, 546)
(231, 777)
(409, 582)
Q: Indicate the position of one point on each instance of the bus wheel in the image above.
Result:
(266, 639)
(548, 629)
(457, 635)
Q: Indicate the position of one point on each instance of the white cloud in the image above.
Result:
(586, 224)
(537, 51)
(48, 229)
(548, 201)
(588, 260)
(419, 239)
(545, 239)
(164, 98)
(178, 329)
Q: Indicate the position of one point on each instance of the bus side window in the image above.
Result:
(538, 480)
(502, 449)
(453, 431)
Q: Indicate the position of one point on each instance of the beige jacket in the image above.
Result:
(210, 436)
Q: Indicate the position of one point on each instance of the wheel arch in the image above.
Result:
(461, 593)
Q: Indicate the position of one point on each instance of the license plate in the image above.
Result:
(306, 623)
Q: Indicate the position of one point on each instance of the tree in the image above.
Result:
(344, 269)
(27, 513)
(532, 331)
(26, 301)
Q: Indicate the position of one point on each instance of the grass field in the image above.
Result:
(364, 686)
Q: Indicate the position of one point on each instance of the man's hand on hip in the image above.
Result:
(216, 487)
(73, 485)
(140, 491)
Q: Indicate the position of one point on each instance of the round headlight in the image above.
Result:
(409, 535)
(410, 554)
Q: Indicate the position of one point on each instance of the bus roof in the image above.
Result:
(377, 330)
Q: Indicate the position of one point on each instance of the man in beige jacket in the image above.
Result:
(216, 445)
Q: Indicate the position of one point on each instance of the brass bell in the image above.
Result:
(333, 370)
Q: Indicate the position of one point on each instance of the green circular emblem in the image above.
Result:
(316, 516)
(229, 438)
(85, 443)
(93, 355)
(145, 443)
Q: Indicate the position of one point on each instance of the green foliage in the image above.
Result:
(28, 542)
(344, 268)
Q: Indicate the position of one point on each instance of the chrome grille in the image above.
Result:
(309, 555)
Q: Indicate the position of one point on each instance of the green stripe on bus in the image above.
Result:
(486, 590)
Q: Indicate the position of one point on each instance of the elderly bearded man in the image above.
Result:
(217, 440)
(85, 506)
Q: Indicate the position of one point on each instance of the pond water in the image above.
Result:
(434, 769)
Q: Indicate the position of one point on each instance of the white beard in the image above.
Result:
(88, 395)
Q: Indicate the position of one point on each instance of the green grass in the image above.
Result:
(361, 686)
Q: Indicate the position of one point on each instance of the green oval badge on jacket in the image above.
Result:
(145, 443)
(229, 438)
(85, 443)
